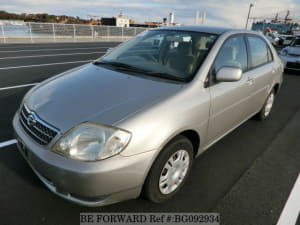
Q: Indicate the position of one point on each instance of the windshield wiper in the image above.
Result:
(126, 67)
(121, 66)
(165, 76)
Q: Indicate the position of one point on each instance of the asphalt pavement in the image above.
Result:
(247, 176)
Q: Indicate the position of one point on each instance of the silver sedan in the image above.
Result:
(134, 120)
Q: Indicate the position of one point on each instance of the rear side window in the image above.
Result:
(233, 54)
(259, 51)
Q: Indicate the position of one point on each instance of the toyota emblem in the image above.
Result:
(31, 120)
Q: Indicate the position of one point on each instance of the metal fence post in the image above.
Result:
(122, 33)
(3, 34)
(30, 32)
(74, 33)
(108, 33)
(54, 38)
(92, 30)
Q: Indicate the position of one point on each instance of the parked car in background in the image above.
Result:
(290, 55)
(134, 120)
(285, 39)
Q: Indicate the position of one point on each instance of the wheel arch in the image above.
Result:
(194, 137)
(276, 87)
(190, 134)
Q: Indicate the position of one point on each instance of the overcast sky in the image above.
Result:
(230, 13)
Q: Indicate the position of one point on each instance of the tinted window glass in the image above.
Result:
(233, 53)
(258, 51)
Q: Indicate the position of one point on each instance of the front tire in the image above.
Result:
(170, 170)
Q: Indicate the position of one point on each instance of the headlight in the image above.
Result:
(284, 52)
(92, 142)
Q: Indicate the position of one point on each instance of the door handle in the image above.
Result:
(250, 80)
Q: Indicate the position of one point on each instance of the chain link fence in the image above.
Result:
(53, 32)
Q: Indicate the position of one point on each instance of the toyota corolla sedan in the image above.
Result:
(290, 55)
(134, 120)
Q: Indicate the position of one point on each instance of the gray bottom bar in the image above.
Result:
(150, 218)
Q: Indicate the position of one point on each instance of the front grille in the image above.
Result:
(37, 129)
(293, 65)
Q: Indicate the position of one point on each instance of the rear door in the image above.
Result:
(261, 71)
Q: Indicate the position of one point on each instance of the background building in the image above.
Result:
(119, 21)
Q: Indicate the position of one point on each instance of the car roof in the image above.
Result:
(204, 29)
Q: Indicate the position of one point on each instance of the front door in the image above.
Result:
(229, 100)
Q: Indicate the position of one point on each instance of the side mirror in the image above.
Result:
(229, 74)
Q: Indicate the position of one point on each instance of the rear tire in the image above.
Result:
(267, 107)
(170, 170)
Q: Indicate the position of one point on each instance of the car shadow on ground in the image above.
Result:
(12, 162)
(291, 72)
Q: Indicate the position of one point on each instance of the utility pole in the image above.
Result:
(250, 6)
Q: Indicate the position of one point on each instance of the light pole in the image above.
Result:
(250, 6)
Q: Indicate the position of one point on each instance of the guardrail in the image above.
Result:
(53, 32)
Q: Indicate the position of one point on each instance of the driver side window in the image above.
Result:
(233, 54)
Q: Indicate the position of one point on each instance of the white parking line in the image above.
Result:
(35, 56)
(47, 64)
(291, 209)
(8, 143)
(51, 49)
(18, 86)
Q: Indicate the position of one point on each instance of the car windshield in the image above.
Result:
(167, 54)
(296, 42)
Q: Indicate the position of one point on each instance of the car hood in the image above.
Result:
(293, 50)
(93, 93)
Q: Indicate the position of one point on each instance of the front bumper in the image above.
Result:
(87, 183)
(290, 62)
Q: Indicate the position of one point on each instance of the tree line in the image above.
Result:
(42, 17)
